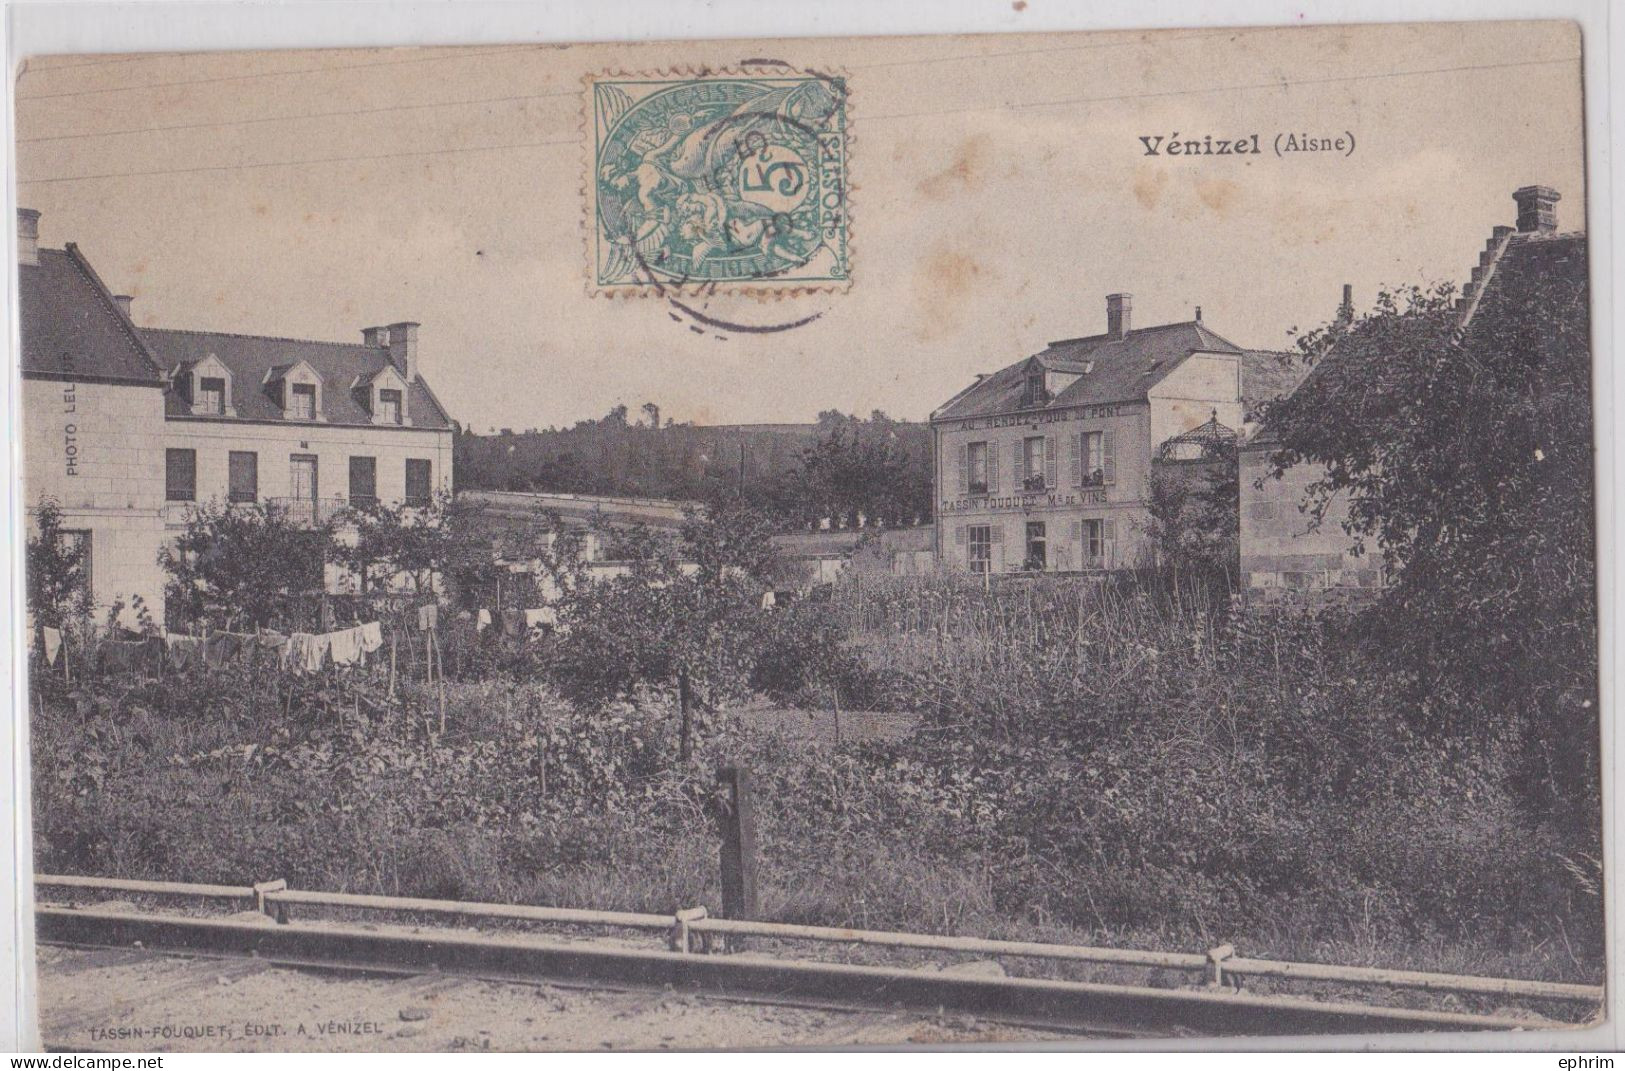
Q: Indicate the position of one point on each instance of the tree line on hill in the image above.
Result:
(850, 470)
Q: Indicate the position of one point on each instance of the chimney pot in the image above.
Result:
(1198, 314)
(1119, 314)
(1537, 209)
(123, 303)
(403, 349)
(27, 236)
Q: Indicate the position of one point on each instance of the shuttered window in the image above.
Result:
(180, 475)
(417, 481)
(1031, 463)
(976, 468)
(243, 476)
(981, 548)
(363, 481)
(1037, 559)
(212, 394)
(302, 401)
(389, 406)
(1094, 463)
(1108, 465)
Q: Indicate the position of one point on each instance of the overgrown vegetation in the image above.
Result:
(1466, 463)
(1122, 763)
(1129, 760)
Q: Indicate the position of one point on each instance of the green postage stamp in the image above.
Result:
(729, 180)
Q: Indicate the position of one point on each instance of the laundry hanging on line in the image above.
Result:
(53, 644)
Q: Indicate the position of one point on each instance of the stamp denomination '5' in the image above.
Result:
(733, 180)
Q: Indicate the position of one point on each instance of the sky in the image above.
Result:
(1000, 190)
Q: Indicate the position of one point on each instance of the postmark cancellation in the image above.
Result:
(730, 181)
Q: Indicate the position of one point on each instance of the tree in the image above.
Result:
(243, 566)
(860, 471)
(1195, 516)
(1466, 462)
(58, 572)
(687, 619)
(390, 546)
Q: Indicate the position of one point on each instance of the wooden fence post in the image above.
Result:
(685, 728)
(738, 848)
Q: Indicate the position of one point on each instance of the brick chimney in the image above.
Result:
(403, 349)
(1119, 307)
(1537, 208)
(375, 336)
(27, 236)
(123, 303)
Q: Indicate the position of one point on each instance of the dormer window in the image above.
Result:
(211, 395)
(301, 401)
(297, 389)
(383, 395)
(389, 406)
(206, 387)
(1037, 393)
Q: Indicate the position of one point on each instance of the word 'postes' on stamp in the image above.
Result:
(734, 180)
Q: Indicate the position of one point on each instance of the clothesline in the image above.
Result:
(516, 622)
(304, 651)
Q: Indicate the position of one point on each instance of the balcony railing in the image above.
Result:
(310, 510)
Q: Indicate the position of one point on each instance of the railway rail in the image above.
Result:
(683, 952)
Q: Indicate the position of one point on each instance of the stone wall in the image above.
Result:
(1280, 550)
(97, 451)
(333, 446)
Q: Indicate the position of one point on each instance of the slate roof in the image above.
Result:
(71, 327)
(254, 360)
(1119, 370)
(1267, 375)
(1528, 255)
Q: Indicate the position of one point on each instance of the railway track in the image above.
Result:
(682, 956)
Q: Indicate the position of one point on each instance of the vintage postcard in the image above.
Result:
(812, 543)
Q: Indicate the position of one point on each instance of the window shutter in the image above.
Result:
(1077, 537)
(1018, 449)
(1108, 541)
(960, 536)
(1052, 463)
(1108, 464)
(996, 536)
(964, 470)
(1076, 447)
(992, 468)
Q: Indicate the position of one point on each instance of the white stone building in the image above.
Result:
(1044, 465)
(92, 420)
(129, 429)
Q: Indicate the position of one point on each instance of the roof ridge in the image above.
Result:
(1204, 329)
(105, 296)
(265, 338)
(1133, 331)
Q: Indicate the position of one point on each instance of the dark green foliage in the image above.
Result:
(689, 612)
(1195, 516)
(1466, 462)
(840, 467)
(409, 549)
(57, 569)
(244, 566)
